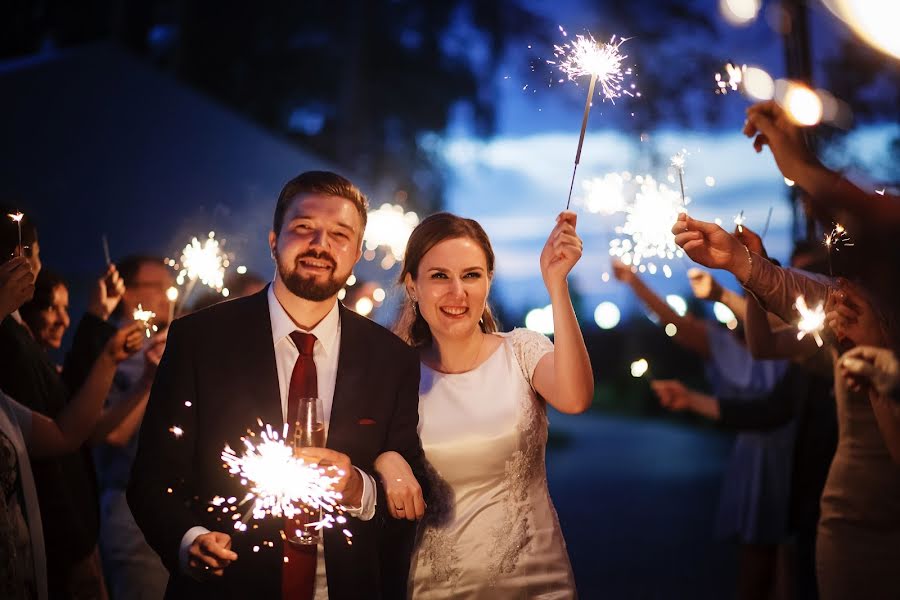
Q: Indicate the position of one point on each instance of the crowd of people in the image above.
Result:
(436, 431)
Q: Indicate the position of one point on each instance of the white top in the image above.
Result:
(325, 355)
(490, 530)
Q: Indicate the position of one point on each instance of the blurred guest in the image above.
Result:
(26, 434)
(47, 313)
(753, 506)
(858, 543)
(66, 484)
(133, 570)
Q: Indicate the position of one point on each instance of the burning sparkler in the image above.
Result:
(811, 321)
(605, 195)
(834, 240)
(640, 368)
(603, 62)
(145, 316)
(205, 262)
(282, 485)
(648, 225)
(734, 76)
(17, 219)
(739, 220)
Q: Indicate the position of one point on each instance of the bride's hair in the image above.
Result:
(410, 326)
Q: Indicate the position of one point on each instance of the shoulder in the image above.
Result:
(230, 312)
(521, 336)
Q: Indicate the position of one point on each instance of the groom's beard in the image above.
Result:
(309, 288)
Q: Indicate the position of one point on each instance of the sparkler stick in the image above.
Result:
(678, 163)
(106, 250)
(584, 120)
(768, 219)
(739, 221)
(17, 219)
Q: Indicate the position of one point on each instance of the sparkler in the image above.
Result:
(605, 195)
(145, 316)
(739, 221)
(106, 250)
(678, 163)
(735, 76)
(205, 262)
(17, 219)
(834, 240)
(603, 62)
(811, 321)
(768, 220)
(282, 485)
(648, 225)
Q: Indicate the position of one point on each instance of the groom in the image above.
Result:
(242, 360)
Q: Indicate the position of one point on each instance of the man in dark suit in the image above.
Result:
(227, 366)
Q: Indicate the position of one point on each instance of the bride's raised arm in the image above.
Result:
(564, 377)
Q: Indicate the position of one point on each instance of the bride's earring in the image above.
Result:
(415, 305)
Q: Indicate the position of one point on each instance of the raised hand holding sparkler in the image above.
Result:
(106, 293)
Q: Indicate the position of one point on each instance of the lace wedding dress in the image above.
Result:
(490, 530)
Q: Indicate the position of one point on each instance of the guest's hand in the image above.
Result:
(877, 368)
(153, 352)
(711, 246)
(106, 294)
(770, 125)
(704, 285)
(561, 252)
(125, 342)
(404, 494)
(852, 317)
(349, 483)
(748, 238)
(16, 285)
(209, 555)
(623, 272)
(672, 394)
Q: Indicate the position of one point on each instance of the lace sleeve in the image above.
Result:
(529, 348)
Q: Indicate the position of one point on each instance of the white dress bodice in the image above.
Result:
(490, 529)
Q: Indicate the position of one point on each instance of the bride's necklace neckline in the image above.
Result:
(472, 364)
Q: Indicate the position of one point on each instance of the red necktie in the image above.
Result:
(298, 575)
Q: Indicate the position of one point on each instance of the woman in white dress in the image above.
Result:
(490, 529)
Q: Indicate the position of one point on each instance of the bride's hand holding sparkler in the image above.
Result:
(711, 246)
(210, 554)
(404, 494)
(562, 250)
(107, 293)
(349, 481)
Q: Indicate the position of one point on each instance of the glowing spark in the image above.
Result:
(172, 294)
(17, 219)
(880, 192)
(145, 316)
(640, 367)
(390, 227)
(836, 238)
(739, 220)
(734, 76)
(647, 232)
(282, 485)
(176, 431)
(205, 262)
(586, 56)
(811, 321)
(604, 195)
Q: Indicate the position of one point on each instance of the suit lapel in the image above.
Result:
(348, 383)
(261, 374)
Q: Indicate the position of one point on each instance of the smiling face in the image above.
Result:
(451, 287)
(53, 321)
(318, 245)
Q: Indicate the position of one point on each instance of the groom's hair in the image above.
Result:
(325, 183)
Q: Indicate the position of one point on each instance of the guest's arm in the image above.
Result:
(55, 437)
(690, 331)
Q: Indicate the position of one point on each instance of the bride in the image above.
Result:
(490, 529)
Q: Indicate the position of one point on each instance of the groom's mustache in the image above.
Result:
(323, 256)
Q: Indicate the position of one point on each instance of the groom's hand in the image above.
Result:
(210, 554)
(349, 483)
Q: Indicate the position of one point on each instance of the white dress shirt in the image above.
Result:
(325, 355)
